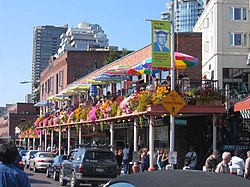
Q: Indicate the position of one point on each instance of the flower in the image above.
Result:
(204, 95)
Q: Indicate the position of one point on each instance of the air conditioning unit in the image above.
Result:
(248, 59)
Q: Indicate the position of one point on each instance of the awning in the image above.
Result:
(41, 103)
(244, 104)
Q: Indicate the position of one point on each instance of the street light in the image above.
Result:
(25, 82)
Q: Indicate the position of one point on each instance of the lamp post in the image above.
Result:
(172, 73)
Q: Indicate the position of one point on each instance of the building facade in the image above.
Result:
(68, 68)
(83, 38)
(16, 114)
(186, 14)
(225, 43)
(46, 41)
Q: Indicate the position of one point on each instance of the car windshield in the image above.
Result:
(46, 155)
(98, 155)
(33, 152)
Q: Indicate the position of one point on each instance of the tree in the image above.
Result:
(114, 55)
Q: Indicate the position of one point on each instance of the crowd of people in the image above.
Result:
(225, 163)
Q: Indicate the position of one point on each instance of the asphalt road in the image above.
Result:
(39, 179)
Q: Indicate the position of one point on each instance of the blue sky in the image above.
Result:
(122, 21)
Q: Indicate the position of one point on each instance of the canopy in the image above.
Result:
(113, 78)
(182, 61)
(41, 103)
(117, 70)
(242, 105)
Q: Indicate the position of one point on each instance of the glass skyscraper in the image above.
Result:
(187, 13)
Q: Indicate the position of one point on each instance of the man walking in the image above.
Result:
(125, 159)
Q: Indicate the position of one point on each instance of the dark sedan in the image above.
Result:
(53, 169)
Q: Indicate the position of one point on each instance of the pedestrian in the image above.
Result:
(247, 166)
(49, 148)
(10, 176)
(223, 166)
(119, 156)
(125, 158)
(159, 160)
(238, 163)
(144, 160)
(212, 161)
(191, 158)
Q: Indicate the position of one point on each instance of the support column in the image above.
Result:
(34, 143)
(214, 132)
(28, 144)
(135, 167)
(41, 131)
(112, 136)
(151, 144)
(52, 139)
(45, 140)
(80, 135)
(68, 140)
(60, 140)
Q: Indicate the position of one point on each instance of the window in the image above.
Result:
(61, 78)
(237, 13)
(237, 39)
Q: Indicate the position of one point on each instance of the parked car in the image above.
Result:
(28, 156)
(41, 160)
(178, 178)
(54, 168)
(22, 152)
(90, 166)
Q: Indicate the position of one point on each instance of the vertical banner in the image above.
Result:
(161, 51)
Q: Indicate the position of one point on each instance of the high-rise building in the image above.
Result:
(186, 14)
(46, 41)
(28, 98)
(83, 38)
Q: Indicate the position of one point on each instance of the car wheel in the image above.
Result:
(55, 176)
(62, 181)
(34, 168)
(73, 180)
(94, 185)
(47, 173)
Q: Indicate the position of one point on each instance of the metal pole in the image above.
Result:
(172, 74)
(45, 140)
(60, 139)
(28, 145)
(214, 132)
(40, 142)
(34, 143)
(151, 143)
(52, 139)
(112, 136)
(68, 140)
(80, 135)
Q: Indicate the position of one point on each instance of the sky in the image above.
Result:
(122, 21)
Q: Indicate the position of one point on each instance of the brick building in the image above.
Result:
(16, 114)
(68, 68)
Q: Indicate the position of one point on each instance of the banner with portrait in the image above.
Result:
(161, 51)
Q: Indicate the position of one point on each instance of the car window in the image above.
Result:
(46, 155)
(99, 155)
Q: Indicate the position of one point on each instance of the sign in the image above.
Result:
(173, 102)
(161, 52)
(180, 121)
(173, 157)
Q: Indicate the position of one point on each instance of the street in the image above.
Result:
(39, 179)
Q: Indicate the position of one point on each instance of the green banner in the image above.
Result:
(161, 52)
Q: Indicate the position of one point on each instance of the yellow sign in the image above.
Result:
(173, 102)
